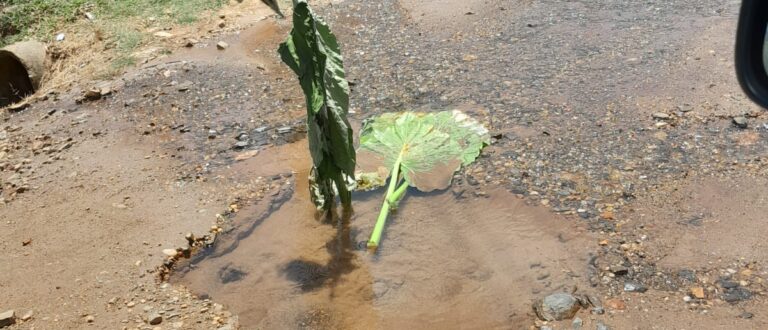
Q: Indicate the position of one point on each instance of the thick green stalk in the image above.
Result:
(398, 194)
(373, 243)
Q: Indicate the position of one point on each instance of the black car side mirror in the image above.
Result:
(752, 50)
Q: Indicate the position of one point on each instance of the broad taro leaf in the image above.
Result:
(433, 146)
(313, 53)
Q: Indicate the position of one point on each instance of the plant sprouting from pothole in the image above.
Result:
(312, 52)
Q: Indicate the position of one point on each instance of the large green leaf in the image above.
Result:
(313, 53)
(431, 147)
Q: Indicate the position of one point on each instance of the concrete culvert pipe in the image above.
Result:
(21, 70)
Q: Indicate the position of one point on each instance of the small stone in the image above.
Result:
(698, 292)
(7, 318)
(246, 155)
(601, 326)
(737, 294)
(619, 270)
(660, 116)
(130, 304)
(746, 315)
(727, 284)
(222, 23)
(239, 145)
(577, 324)
(630, 286)
(90, 318)
(154, 319)
(221, 45)
(557, 306)
(687, 298)
(163, 34)
(92, 94)
(185, 86)
(740, 122)
(191, 42)
(616, 304)
(27, 316)
(212, 134)
(607, 215)
(685, 108)
(170, 252)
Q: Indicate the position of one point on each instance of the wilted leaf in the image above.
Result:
(433, 146)
(313, 53)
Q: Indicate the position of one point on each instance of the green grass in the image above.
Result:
(125, 41)
(41, 19)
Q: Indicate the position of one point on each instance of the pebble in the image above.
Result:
(740, 122)
(184, 86)
(170, 252)
(154, 319)
(660, 115)
(240, 145)
(737, 294)
(7, 318)
(163, 34)
(619, 270)
(90, 318)
(698, 292)
(630, 286)
(557, 306)
(222, 45)
(685, 108)
(601, 326)
(616, 304)
(27, 316)
(577, 324)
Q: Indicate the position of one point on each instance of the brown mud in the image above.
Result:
(445, 260)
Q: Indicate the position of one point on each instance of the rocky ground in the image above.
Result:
(624, 118)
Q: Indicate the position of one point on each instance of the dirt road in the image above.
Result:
(615, 162)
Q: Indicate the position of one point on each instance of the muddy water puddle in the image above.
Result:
(444, 262)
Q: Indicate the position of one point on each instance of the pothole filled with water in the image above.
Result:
(445, 260)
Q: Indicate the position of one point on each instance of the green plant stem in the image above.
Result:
(373, 243)
(398, 194)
